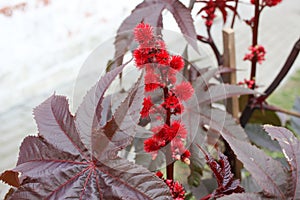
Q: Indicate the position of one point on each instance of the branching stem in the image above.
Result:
(209, 40)
(247, 112)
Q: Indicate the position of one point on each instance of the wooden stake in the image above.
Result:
(230, 62)
(232, 104)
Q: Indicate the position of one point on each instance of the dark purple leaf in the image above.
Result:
(118, 132)
(59, 175)
(222, 171)
(56, 124)
(57, 164)
(268, 173)
(290, 146)
(223, 123)
(107, 112)
(226, 170)
(222, 91)
(207, 93)
(88, 116)
(202, 82)
(250, 184)
(184, 20)
(201, 85)
(242, 196)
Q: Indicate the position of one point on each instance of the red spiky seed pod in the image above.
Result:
(179, 129)
(143, 34)
(183, 91)
(177, 63)
(147, 104)
(153, 144)
(140, 57)
(171, 102)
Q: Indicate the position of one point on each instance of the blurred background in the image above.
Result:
(44, 43)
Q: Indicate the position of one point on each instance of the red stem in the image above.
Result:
(169, 160)
(254, 41)
(213, 46)
(235, 13)
(278, 109)
(285, 69)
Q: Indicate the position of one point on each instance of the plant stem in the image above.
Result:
(169, 159)
(214, 48)
(277, 109)
(170, 167)
(247, 112)
(254, 40)
(285, 69)
(235, 13)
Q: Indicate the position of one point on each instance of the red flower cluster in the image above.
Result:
(209, 9)
(269, 3)
(249, 83)
(258, 51)
(160, 73)
(176, 189)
